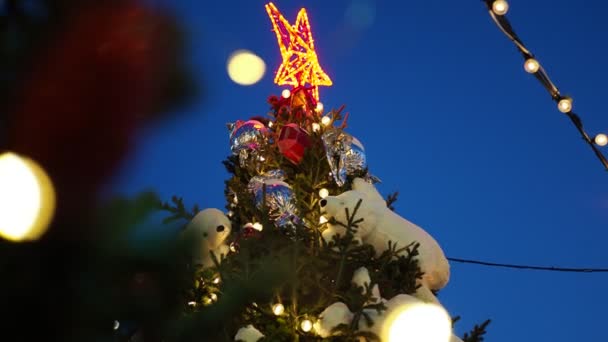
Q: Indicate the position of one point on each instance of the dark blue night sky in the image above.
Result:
(481, 157)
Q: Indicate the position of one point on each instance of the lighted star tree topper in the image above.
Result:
(300, 63)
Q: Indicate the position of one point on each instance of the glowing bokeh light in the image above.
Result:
(500, 7)
(531, 65)
(601, 139)
(323, 193)
(278, 309)
(245, 67)
(306, 325)
(565, 105)
(421, 322)
(27, 198)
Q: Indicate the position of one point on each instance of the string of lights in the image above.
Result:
(529, 267)
(498, 9)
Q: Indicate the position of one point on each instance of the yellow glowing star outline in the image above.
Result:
(300, 63)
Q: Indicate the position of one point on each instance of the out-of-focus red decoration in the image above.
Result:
(300, 63)
(293, 142)
(302, 97)
(79, 106)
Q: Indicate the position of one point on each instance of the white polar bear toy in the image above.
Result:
(248, 334)
(208, 232)
(381, 225)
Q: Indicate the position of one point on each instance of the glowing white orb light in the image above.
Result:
(531, 65)
(325, 121)
(286, 93)
(306, 325)
(278, 309)
(601, 139)
(421, 322)
(245, 67)
(27, 198)
(565, 105)
(323, 193)
(500, 7)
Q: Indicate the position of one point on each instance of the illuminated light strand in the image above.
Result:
(541, 75)
(300, 62)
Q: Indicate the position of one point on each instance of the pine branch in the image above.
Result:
(391, 199)
(178, 210)
(477, 334)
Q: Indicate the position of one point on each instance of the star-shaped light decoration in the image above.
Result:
(300, 64)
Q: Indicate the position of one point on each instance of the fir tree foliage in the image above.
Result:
(308, 273)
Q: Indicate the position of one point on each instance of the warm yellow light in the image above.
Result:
(245, 68)
(213, 297)
(216, 280)
(27, 198)
(601, 139)
(323, 193)
(316, 127)
(319, 107)
(192, 303)
(306, 325)
(323, 219)
(278, 309)
(421, 322)
(326, 120)
(286, 93)
(500, 7)
(300, 64)
(531, 65)
(565, 105)
(258, 226)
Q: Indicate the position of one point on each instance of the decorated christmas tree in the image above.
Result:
(307, 248)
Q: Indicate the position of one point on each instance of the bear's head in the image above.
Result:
(210, 225)
(369, 210)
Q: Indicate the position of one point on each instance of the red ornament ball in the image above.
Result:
(293, 141)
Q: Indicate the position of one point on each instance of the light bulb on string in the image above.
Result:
(306, 325)
(316, 127)
(325, 121)
(323, 193)
(258, 226)
(601, 139)
(500, 7)
(323, 219)
(531, 65)
(286, 93)
(216, 280)
(565, 105)
(213, 297)
(278, 309)
(319, 107)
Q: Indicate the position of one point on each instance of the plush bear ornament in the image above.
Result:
(362, 279)
(334, 315)
(206, 233)
(381, 225)
(248, 334)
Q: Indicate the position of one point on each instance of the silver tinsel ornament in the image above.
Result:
(247, 139)
(279, 199)
(345, 154)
